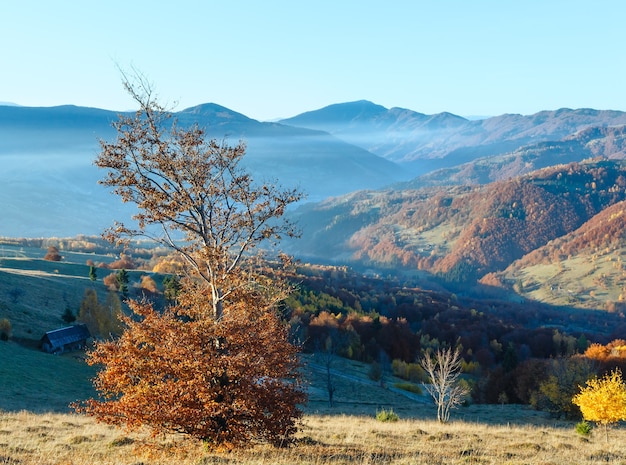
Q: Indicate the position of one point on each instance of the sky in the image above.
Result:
(275, 59)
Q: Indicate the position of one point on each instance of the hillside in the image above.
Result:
(608, 142)
(35, 293)
(370, 322)
(583, 268)
(460, 233)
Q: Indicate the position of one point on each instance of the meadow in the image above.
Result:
(55, 439)
(37, 427)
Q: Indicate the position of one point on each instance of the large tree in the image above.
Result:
(217, 364)
(184, 182)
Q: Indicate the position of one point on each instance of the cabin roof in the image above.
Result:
(67, 335)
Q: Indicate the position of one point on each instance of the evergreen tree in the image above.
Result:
(93, 275)
(122, 281)
(68, 316)
(171, 288)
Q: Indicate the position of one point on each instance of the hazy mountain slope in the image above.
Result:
(48, 183)
(461, 232)
(609, 142)
(522, 161)
(428, 142)
(390, 133)
(27, 130)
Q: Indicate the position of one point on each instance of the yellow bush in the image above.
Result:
(603, 400)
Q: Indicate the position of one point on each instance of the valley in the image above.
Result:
(502, 237)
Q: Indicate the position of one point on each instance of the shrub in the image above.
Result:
(584, 428)
(121, 441)
(375, 372)
(53, 254)
(148, 284)
(111, 283)
(603, 400)
(409, 371)
(387, 415)
(410, 387)
(5, 329)
(68, 316)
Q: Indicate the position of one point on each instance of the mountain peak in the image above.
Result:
(213, 110)
(338, 112)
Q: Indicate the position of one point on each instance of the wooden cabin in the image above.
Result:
(65, 339)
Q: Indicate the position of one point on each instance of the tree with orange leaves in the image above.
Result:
(225, 382)
(216, 365)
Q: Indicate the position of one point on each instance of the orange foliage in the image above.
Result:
(180, 372)
(125, 262)
(596, 352)
(53, 254)
(614, 350)
(168, 266)
(148, 284)
(325, 320)
(493, 225)
(110, 281)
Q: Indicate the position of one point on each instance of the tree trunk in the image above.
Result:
(218, 305)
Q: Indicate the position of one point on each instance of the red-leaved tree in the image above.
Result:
(218, 364)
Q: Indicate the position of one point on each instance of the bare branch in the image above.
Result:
(193, 188)
(444, 369)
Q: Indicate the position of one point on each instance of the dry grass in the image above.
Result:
(588, 280)
(55, 439)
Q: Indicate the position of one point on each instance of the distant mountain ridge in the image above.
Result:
(427, 142)
(608, 142)
(51, 150)
(49, 185)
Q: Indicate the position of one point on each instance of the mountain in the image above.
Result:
(424, 143)
(460, 233)
(386, 132)
(608, 142)
(583, 268)
(48, 184)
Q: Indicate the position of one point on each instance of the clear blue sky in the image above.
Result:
(270, 59)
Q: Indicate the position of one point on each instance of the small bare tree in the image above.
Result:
(444, 369)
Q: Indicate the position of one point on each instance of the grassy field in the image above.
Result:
(36, 427)
(590, 281)
(35, 293)
(55, 439)
(39, 382)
